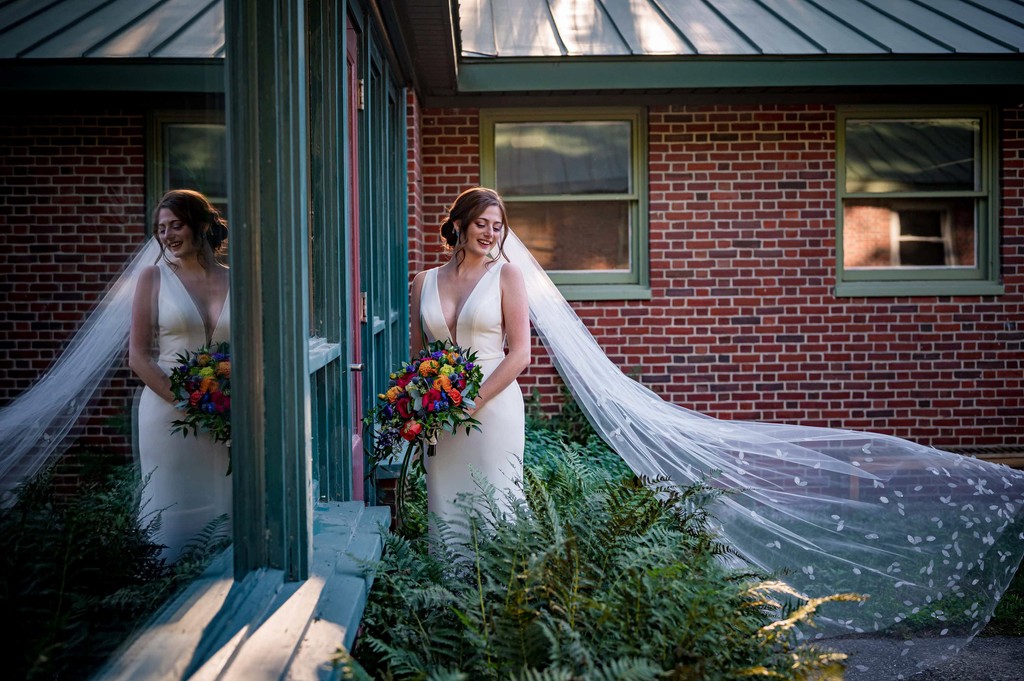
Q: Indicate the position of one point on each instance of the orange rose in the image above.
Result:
(442, 383)
(455, 396)
(209, 384)
(411, 430)
(224, 369)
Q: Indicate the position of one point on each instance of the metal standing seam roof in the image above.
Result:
(507, 46)
(609, 28)
(111, 29)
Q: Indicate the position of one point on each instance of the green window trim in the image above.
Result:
(982, 277)
(631, 284)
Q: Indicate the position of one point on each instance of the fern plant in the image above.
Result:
(78, 572)
(593, 574)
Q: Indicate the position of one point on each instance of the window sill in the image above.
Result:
(893, 289)
(605, 291)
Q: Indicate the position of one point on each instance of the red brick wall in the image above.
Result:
(414, 154)
(71, 213)
(743, 324)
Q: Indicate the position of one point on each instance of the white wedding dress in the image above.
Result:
(495, 452)
(188, 481)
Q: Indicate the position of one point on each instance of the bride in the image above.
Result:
(180, 304)
(932, 537)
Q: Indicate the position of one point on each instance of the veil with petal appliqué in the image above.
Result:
(931, 537)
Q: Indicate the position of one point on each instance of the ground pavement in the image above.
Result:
(986, 658)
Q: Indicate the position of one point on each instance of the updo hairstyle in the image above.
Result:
(467, 207)
(205, 221)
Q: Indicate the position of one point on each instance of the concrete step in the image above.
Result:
(263, 627)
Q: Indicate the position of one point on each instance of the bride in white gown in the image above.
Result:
(180, 304)
(934, 538)
(477, 300)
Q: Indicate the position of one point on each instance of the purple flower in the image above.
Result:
(469, 366)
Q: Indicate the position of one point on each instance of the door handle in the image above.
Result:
(355, 367)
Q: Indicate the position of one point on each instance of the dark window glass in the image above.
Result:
(553, 158)
(576, 235)
(912, 155)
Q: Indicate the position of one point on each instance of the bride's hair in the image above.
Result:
(202, 217)
(466, 208)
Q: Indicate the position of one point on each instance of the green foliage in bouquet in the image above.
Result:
(596, 575)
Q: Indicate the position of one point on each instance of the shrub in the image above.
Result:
(79, 572)
(595, 575)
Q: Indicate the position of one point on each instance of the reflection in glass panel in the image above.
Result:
(197, 159)
(574, 235)
(912, 155)
(568, 157)
(903, 233)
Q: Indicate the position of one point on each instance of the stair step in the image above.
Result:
(262, 626)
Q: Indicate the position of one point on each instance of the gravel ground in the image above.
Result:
(986, 658)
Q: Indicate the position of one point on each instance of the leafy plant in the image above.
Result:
(595, 575)
(78, 572)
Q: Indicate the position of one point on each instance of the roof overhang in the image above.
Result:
(480, 76)
(113, 75)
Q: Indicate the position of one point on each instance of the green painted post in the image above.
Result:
(268, 179)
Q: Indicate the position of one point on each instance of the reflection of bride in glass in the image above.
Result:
(181, 304)
(933, 537)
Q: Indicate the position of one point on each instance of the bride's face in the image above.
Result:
(483, 234)
(175, 235)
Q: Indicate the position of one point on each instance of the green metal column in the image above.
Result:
(269, 194)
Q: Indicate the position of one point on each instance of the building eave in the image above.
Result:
(113, 75)
(477, 76)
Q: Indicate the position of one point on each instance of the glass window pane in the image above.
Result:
(575, 235)
(912, 155)
(197, 159)
(577, 157)
(880, 233)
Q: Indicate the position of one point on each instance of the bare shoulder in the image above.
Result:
(511, 275)
(149, 277)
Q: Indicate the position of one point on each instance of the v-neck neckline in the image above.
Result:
(208, 331)
(465, 303)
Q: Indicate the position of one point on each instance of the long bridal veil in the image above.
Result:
(33, 427)
(933, 538)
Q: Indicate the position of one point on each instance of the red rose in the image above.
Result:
(403, 405)
(221, 402)
(411, 430)
(195, 397)
(431, 399)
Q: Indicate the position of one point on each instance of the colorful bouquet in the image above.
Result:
(425, 396)
(202, 384)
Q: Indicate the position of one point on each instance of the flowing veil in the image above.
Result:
(933, 538)
(33, 427)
